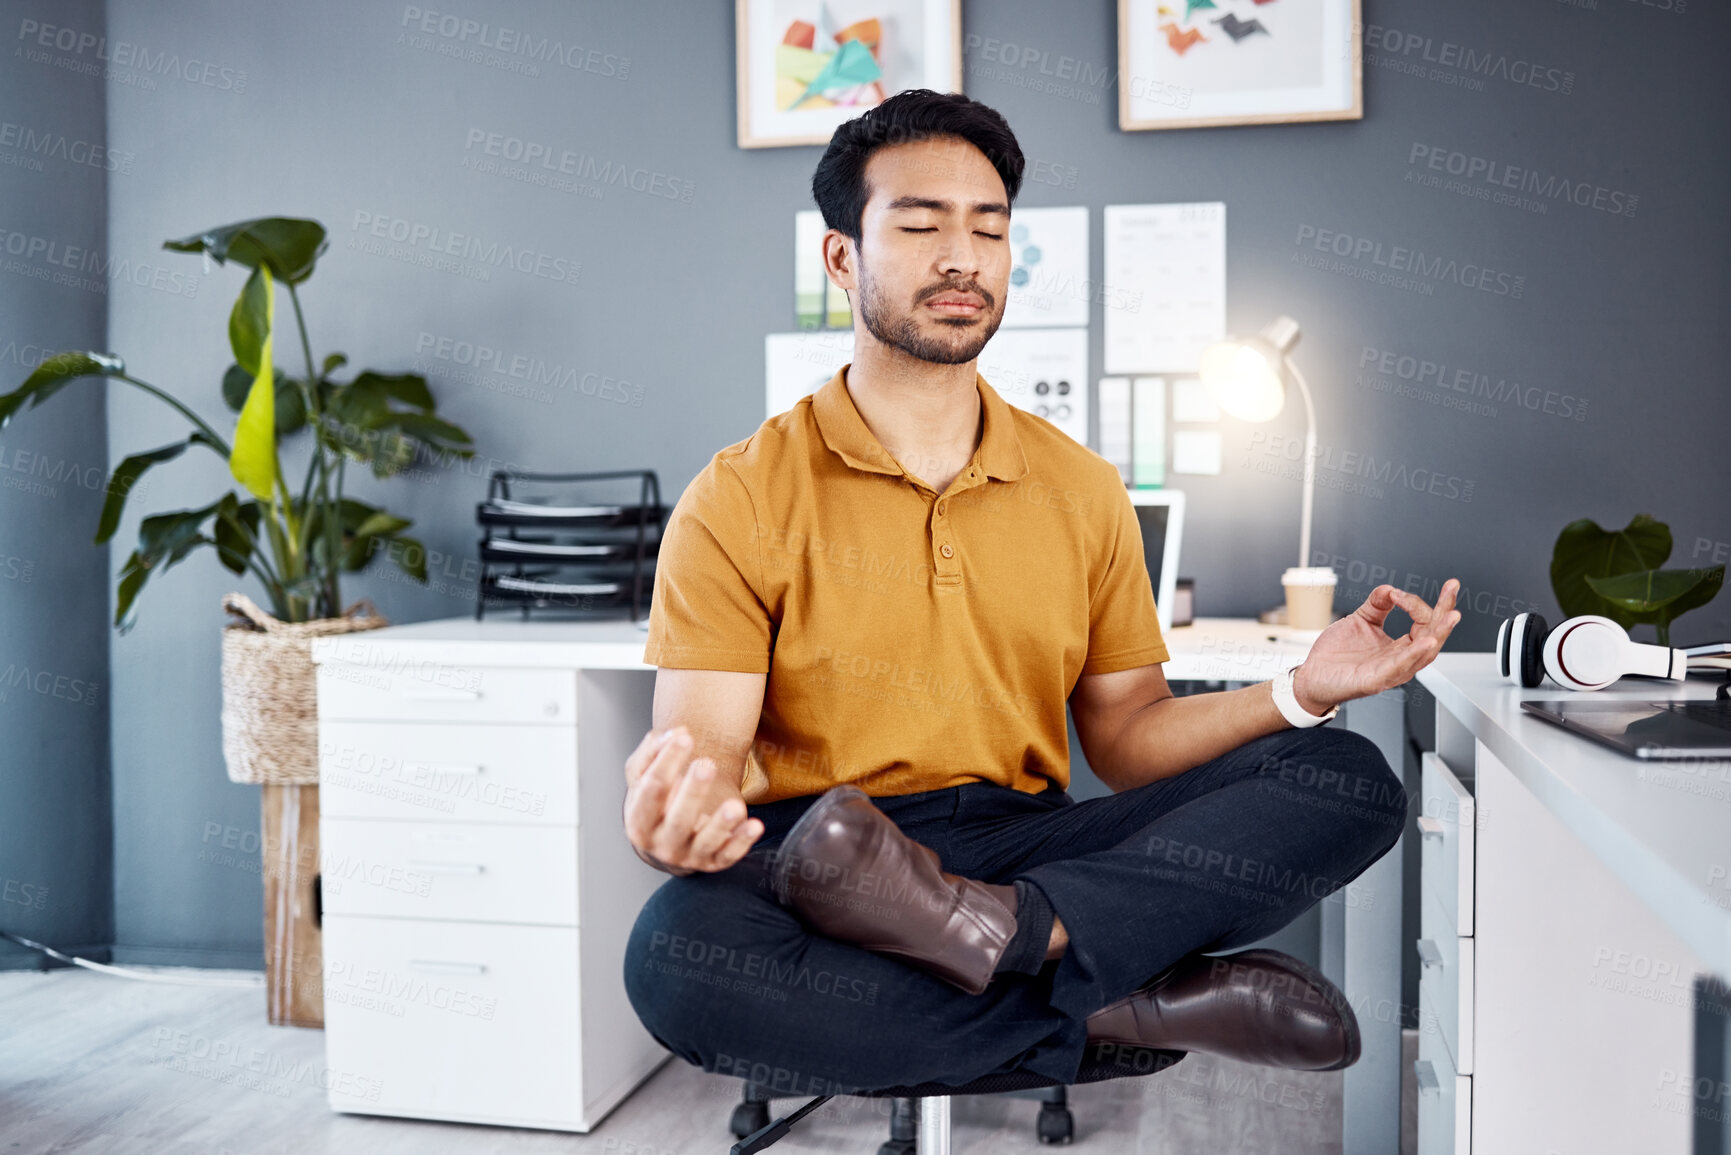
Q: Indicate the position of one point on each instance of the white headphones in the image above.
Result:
(1585, 653)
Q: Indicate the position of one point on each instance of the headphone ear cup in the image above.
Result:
(1531, 651)
(1589, 652)
(1521, 649)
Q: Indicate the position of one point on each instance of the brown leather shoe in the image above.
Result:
(850, 873)
(1258, 1006)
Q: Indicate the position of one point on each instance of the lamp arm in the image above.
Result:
(1309, 460)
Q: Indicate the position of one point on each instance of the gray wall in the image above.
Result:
(55, 860)
(340, 116)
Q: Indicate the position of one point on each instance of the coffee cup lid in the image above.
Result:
(1318, 575)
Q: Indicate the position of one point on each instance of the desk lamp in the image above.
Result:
(1247, 378)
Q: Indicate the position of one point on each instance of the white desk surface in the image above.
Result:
(1660, 826)
(1228, 649)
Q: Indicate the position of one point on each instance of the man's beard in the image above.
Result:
(904, 332)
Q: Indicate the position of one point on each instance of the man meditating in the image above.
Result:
(868, 618)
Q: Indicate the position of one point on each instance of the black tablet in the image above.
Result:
(1651, 730)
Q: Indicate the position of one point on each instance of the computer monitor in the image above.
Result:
(1160, 512)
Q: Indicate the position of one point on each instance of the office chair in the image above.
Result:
(920, 1114)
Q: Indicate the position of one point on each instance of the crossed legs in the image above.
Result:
(1212, 859)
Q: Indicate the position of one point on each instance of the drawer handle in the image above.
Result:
(1428, 954)
(439, 967)
(446, 867)
(1430, 827)
(1425, 1073)
(447, 768)
(443, 695)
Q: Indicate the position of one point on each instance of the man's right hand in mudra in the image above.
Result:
(681, 815)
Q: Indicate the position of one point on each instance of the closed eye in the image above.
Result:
(993, 236)
(926, 230)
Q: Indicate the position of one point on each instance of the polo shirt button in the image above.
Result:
(946, 550)
(941, 508)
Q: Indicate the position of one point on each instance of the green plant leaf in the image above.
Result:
(249, 322)
(1659, 596)
(1584, 549)
(288, 246)
(411, 558)
(53, 375)
(125, 478)
(235, 531)
(236, 384)
(370, 536)
(291, 405)
(333, 362)
(361, 422)
(254, 462)
(163, 540)
(409, 388)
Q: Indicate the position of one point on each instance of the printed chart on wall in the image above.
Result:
(798, 363)
(1044, 371)
(1049, 268)
(1166, 264)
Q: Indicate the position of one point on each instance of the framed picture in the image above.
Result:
(1203, 63)
(806, 66)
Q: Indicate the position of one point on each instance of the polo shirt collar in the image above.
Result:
(845, 431)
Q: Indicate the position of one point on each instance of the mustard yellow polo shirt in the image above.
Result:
(912, 640)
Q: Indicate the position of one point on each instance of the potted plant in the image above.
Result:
(296, 541)
(1616, 574)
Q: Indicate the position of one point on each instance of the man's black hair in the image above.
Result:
(838, 185)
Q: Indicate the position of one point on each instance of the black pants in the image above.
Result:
(1213, 859)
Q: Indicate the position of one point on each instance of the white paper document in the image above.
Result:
(1044, 371)
(1196, 451)
(1048, 268)
(1165, 285)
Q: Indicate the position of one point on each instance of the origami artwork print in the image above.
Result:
(818, 68)
(1239, 29)
(1211, 63)
(1180, 38)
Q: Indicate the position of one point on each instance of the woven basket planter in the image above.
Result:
(270, 738)
(270, 715)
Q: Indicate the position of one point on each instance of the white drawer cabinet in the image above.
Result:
(1445, 1097)
(432, 691)
(1583, 894)
(478, 772)
(449, 870)
(1446, 971)
(1447, 822)
(477, 887)
(435, 1018)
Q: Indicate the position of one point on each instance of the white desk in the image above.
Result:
(1597, 889)
(402, 695)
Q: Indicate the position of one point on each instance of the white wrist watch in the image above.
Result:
(1287, 702)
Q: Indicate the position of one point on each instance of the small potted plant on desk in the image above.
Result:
(296, 543)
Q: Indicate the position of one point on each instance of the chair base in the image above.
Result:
(920, 1115)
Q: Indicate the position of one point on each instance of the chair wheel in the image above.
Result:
(898, 1147)
(1055, 1124)
(748, 1117)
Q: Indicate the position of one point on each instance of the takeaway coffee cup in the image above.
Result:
(1309, 596)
